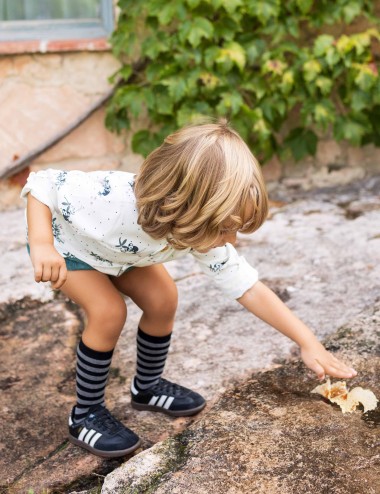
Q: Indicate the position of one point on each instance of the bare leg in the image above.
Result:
(104, 307)
(91, 425)
(154, 291)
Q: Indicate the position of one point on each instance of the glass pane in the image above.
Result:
(16, 10)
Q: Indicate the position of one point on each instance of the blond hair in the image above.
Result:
(201, 182)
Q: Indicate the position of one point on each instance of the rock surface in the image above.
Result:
(320, 251)
(268, 434)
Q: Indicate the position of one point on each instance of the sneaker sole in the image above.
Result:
(104, 454)
(172, 413)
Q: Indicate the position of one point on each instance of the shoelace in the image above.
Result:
(167, 387)
(106, 422)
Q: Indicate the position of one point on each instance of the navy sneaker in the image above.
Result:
(101, 434)
(167, 397)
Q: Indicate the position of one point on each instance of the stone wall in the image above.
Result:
(41, 94)
(334, 164)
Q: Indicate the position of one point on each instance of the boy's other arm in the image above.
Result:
(264, 303)
(48, 264)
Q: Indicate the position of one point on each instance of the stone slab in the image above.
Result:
(269, 435)
(319, 251)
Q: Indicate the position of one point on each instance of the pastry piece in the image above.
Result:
(347, 400)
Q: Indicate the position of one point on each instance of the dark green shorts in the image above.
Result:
(75, 264)
(72, 263)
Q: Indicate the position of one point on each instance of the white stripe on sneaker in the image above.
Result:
(88, 436)
(94, 439)
(133, 388)
(161, 401)
(83, 432)
(169, 401)
(153, 400)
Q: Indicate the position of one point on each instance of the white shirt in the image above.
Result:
(95, 220)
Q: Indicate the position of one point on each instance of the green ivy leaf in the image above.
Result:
(126, 72)
(149, 98)
(261, 129)
(231, 5)
(192, 114)
(153, 46)
(322, 44)
(226, 29)
(332, 57)
(131, 97)
(209, 80)
(274, 67)
(210, 55)
(365, 81)
(292, 27)
(234, 53)
(268, 107)
(184, 115)
(167, 13)
(142, 142)
(193, 4)
(116, 120)
(287, 82)
(194, 31)
(164, 103)
(373, 136)
(254, 49)
(360, 100)
(305, 5)
(349, 129)
(177, 87)
(324, 113)
(324, 84)
(344, 44)
(301, 143)
(230, 103)
(264, 10)
(153, 72)
(311, 69)
(351, 10)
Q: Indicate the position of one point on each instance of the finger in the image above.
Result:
(335, 372)
(318, 369)
(46, 273)
(337, 366)
(62, 277)
(54, 273)
(38, 272)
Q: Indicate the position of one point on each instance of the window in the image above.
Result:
(23, 20)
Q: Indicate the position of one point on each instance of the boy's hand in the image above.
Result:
(48, 265)
(323, 363)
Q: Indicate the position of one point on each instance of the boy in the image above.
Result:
(98, 235)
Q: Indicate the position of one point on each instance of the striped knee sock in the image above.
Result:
(151, 357)
(92, 373)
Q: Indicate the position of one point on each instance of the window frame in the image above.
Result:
(60, 29)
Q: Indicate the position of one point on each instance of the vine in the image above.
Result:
(269, 66)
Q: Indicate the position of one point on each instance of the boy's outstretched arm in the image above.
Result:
(48, 264)
(264, 303)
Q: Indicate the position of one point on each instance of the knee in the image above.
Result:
(109, 316)
(162, 305)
